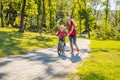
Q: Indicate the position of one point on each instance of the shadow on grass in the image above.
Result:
(93, 76)
(9, 43)
(43, 42)
(105, 50)
(43, 38)
(100, 50)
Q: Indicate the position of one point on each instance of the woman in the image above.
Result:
(72, 34)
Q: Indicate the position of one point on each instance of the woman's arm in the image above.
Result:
(71, 30)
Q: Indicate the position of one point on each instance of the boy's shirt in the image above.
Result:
(62, 34)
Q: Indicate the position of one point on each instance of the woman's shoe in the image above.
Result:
(78, 50)
(72, 52)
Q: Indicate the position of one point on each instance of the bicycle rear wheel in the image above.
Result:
(59, 48)
(59, 52)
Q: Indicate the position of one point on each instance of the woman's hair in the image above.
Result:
(68, 18)
(73, 21)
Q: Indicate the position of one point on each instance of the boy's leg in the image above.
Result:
(58, 44)
(64, 43)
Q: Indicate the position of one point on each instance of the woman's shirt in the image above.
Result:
(69, 27)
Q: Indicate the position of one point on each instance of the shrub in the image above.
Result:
(105, 32)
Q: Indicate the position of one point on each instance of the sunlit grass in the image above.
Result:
(103, 63)
(14, 43)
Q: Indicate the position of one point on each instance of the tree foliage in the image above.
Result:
(91, 16)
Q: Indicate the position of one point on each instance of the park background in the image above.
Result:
(27, 25)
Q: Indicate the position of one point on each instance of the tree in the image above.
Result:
(39, 10)
(73, 8)
(22, 17)
(116, 13)
(44, 15)
(50, 14)
(88, 17)
(11, 14)
(96, 6)
(118, 18)
(62, 9)
(1, 8)
(80, 18)
(107, 10)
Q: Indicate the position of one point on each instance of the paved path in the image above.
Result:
(41, 64)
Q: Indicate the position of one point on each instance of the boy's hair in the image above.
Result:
(62, 27)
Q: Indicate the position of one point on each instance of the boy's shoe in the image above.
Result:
(64, 44)
(72, 52)
(78, 50)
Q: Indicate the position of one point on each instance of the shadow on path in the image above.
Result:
(2, 75)
(75, 58)
(4, 63)
(47, 58)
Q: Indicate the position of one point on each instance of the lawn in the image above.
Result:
(14, 43)
(102, 64)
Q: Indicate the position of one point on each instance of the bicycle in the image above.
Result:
(61, 47)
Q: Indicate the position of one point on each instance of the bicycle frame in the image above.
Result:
(61, 47)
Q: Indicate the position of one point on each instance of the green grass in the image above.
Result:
(14, 43)
(103, 63)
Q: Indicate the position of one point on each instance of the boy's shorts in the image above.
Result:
(62, 39)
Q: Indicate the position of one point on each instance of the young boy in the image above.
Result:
(61, 34)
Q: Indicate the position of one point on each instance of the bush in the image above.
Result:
(105, 32)
(33, 28)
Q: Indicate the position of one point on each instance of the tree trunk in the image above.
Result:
(84, 1)
(107, 5)
(87, 21)
(50, 14)
(89, 34)
(44, 15)
(116, 19)
(2, 23)
(31, 20)
(80, 20)
(88, 27)
(97, 14)
(22, 17)
(72, 11)
(116, 14)
(39, 9)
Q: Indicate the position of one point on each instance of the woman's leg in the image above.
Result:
(74, 42)
(71, 42)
